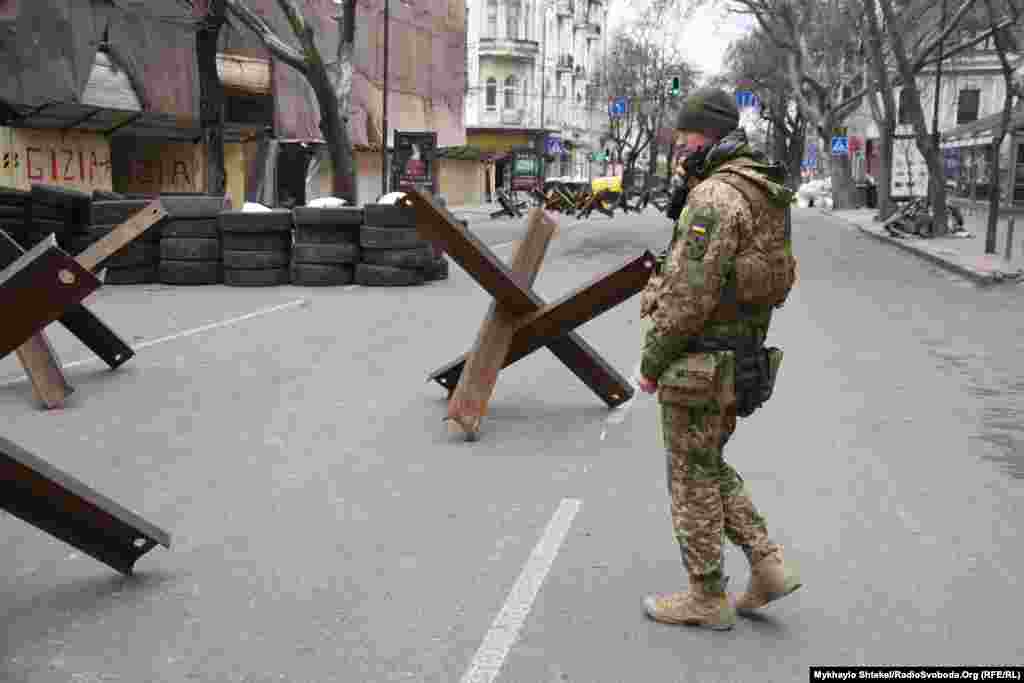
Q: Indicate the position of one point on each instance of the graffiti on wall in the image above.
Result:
(76, 160)
(154, 167)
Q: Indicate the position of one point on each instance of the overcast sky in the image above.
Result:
(703, 40)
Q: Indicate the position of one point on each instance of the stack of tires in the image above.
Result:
(14, 213)
(59, 211)
(190, 246)
(137, 262)
(326, 248)
(392, 252)
(256, 247)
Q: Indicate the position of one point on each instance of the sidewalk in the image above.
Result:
(962, 255)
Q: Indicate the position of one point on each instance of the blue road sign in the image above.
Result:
(812, 155)
(617, 107)
(746, 100)
(840, 145)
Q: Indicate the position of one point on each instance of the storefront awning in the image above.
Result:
(981, 132)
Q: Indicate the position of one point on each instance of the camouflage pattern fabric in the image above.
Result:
(729, 263)
(709, 499)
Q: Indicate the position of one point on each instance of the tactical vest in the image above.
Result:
(765, 265)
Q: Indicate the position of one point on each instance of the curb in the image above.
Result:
(974, 276)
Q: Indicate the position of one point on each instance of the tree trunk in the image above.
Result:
(842, 182)
(922, 136)
(211, 96)
(885, 158)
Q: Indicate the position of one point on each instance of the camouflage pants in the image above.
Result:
(709, 498)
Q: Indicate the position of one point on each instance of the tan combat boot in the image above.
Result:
(770, 579)
(695, 607)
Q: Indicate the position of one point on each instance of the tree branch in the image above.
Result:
(277, 47)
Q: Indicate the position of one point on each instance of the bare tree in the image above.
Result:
(333, 92)
(758, 65)
(820, 65)
(212, 15)
(1004, 44)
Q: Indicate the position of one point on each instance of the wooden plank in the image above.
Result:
(469, 401)
(36, 355)
(119, 237)
(78, 320)
(552, 325)
(37, 289)
(64, 507)
(43, 368)
(437, 225)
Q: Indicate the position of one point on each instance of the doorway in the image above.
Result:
(292, 162)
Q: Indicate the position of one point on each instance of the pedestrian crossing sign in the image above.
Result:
(840, 145)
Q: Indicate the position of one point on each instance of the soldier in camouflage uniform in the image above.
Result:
(729, 264)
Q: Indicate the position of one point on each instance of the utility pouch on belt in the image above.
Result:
(698, 379)
(756, 370)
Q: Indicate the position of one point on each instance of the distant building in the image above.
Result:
(530, 60)
(970, 105)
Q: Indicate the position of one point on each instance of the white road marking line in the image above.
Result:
(505, 630)
(172, 337)
(618, 414)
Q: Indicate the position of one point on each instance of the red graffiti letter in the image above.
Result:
(32, 175)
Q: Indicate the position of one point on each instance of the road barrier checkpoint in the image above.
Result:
(37, 287)
(45, 284)
(519, 322)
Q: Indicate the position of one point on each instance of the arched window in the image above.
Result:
(492, 93)
(510, 92)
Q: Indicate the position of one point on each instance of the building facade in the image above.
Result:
(972, 92)
(532, 75)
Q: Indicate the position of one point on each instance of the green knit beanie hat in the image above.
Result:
(708, 109)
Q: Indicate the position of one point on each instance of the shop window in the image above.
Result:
(492, 94)
(967, 105)
(510, 92)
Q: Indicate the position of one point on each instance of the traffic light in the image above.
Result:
(674, 90)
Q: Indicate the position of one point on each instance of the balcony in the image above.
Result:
(565, 63)
(525, 50)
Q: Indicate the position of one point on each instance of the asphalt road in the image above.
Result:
(326, 527)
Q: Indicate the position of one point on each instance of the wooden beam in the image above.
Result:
(468, 404)
(44, 371)
(100, 251)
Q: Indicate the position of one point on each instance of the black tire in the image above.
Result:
(322, 275)
(374, 237)
(370, 275)
(46, 227)
(254, 260)
(388, 216)
(104, 196)
(345, 215)
(13, 212)
(327, 234)
(61, 197)
(261, 277)
(190, 272)
(133, 255)
(418, 257)
(326, 253)
(275, 220)
(194, 227)
(192, 206)
(116, 212)
(139, 275)
(190, 249)
(437, 270)
(239, 241)
(95, 232)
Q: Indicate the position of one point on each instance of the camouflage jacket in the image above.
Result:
(729, 262)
